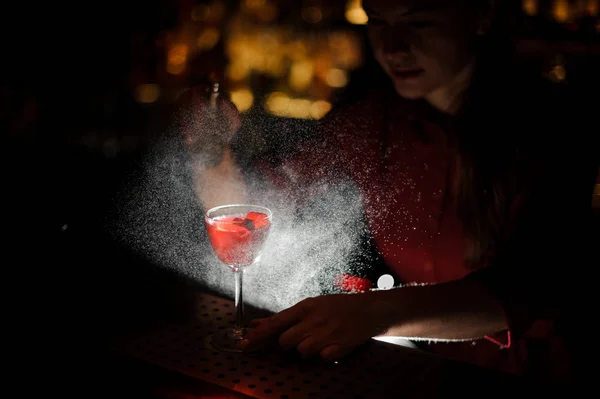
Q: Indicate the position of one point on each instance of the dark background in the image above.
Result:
(68, 94)
(73, 128)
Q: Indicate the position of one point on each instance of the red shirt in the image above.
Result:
(403, 168)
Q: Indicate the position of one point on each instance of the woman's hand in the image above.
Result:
(206, 125)
(207, 122)
(330, 326)
(333, 325)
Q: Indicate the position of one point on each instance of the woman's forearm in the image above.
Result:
(458, 310)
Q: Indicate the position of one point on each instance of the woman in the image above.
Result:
(452, 166)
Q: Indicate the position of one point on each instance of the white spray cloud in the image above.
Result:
(161, 218)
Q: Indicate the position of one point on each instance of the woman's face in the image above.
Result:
(421, 44)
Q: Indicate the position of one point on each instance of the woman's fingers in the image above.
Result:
(335, 351)
(257, 322)
(278, 323)
(294, 336)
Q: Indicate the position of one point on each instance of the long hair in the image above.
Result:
(485, 150)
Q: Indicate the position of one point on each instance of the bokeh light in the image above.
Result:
(355, 14)
(561, 11)
(530, 7)
(242, 98)
(147, 93)
(208, 39)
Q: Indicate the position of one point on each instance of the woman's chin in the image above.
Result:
(410, 93)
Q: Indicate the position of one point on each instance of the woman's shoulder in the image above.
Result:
(356, 107)
(367, 113)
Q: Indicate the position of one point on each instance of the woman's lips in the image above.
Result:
(406, 74)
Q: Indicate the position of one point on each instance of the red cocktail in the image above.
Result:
(237, 234)
(238, 239)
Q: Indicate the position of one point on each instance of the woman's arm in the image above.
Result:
(206, 122)
(458, 310)
(532, 277)
(333, 325)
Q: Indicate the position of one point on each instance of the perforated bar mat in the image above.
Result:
(375, 370)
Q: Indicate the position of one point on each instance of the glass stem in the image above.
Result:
(239, 330)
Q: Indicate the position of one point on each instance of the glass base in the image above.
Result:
(231, 341)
